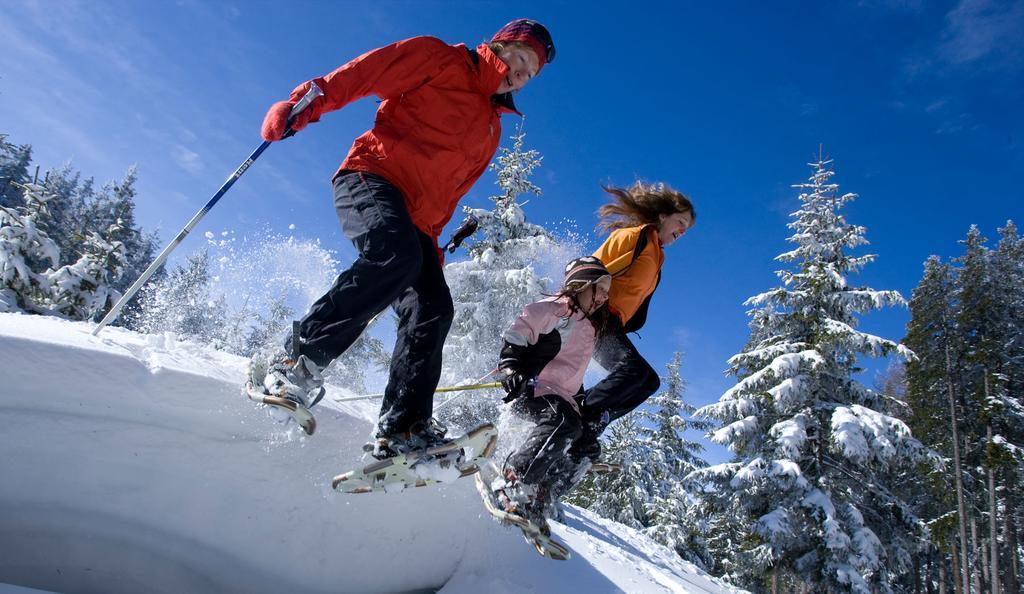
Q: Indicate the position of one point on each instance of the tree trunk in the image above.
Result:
(916, 582)
(775, 582)
(976, 576)
(942, 574)
(1010, 541)
(992, 532)
(958, 584)
(965, 579)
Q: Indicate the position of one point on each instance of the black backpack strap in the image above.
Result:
(640, 317)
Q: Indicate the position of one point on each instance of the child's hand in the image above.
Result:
(513, 382)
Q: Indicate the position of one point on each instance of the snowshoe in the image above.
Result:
(419, 467)
(289, 385)
(503, 507)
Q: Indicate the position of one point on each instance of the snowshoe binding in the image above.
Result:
(515, 504)
(418, 459)
(286, 384)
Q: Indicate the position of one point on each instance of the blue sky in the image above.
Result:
(918, 103)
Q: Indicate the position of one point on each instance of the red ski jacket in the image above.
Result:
(437, 127)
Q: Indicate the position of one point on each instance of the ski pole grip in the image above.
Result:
(313, 92)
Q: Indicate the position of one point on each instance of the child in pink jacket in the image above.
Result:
(546, 352)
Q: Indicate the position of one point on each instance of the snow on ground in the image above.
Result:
(134, 463)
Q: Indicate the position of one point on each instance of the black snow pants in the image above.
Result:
(557, 427)
(630, 381)
(398, 265)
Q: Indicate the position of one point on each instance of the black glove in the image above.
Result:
(515, 384)
(467, 228)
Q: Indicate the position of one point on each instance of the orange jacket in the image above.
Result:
(633, 280)
(437, 127)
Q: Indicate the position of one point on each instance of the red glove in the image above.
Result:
(276, 121)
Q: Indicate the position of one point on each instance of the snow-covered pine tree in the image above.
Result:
(1005, 447)
(674, 457)
(83, 290)
(964, 327)
(992, 417)
(257, 330)
(67, 223)
(114, 207)
(666, 426)
(351, 369)
(806, 435)
(649, 492)
(184, 304)
(931, 334)
(23, 245)
(14, 162)
(492, 287)
(977, 325)
(932, 384)
(623, 496)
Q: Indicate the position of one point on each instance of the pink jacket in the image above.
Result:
(563, 375)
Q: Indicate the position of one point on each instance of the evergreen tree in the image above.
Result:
(674, 457)
(258, 330)
(67, 223)
(965, 327)
(623, 496)
(807, 436)
(1008, 271)
(114, 206)
(496, 283)
(929, 333)
(23, 245)
(650, 491)
(351, 369)
(14, 162)
(1008, 378)
(977, 320)
(83, 290)
(184, 304)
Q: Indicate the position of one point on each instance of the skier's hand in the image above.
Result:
(514, 383)
(275, 124)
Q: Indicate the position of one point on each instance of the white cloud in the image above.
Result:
(683, 336)
(911, 6)
(978, 29)
(937, 105)
(187, 159)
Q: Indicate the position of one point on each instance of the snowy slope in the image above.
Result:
(133, 463)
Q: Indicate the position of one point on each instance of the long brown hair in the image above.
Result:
(641, 204)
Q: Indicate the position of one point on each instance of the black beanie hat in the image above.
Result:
(583, 272)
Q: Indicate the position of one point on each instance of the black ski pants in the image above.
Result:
(557, 426)
(397, 265)
(630, 381)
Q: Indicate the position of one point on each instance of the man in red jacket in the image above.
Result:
(437, 128)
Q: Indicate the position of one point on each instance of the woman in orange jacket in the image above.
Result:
(436, 130)
(643, 220)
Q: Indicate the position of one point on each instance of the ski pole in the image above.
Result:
(437, 391)
(480, 379)
(313, 93)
